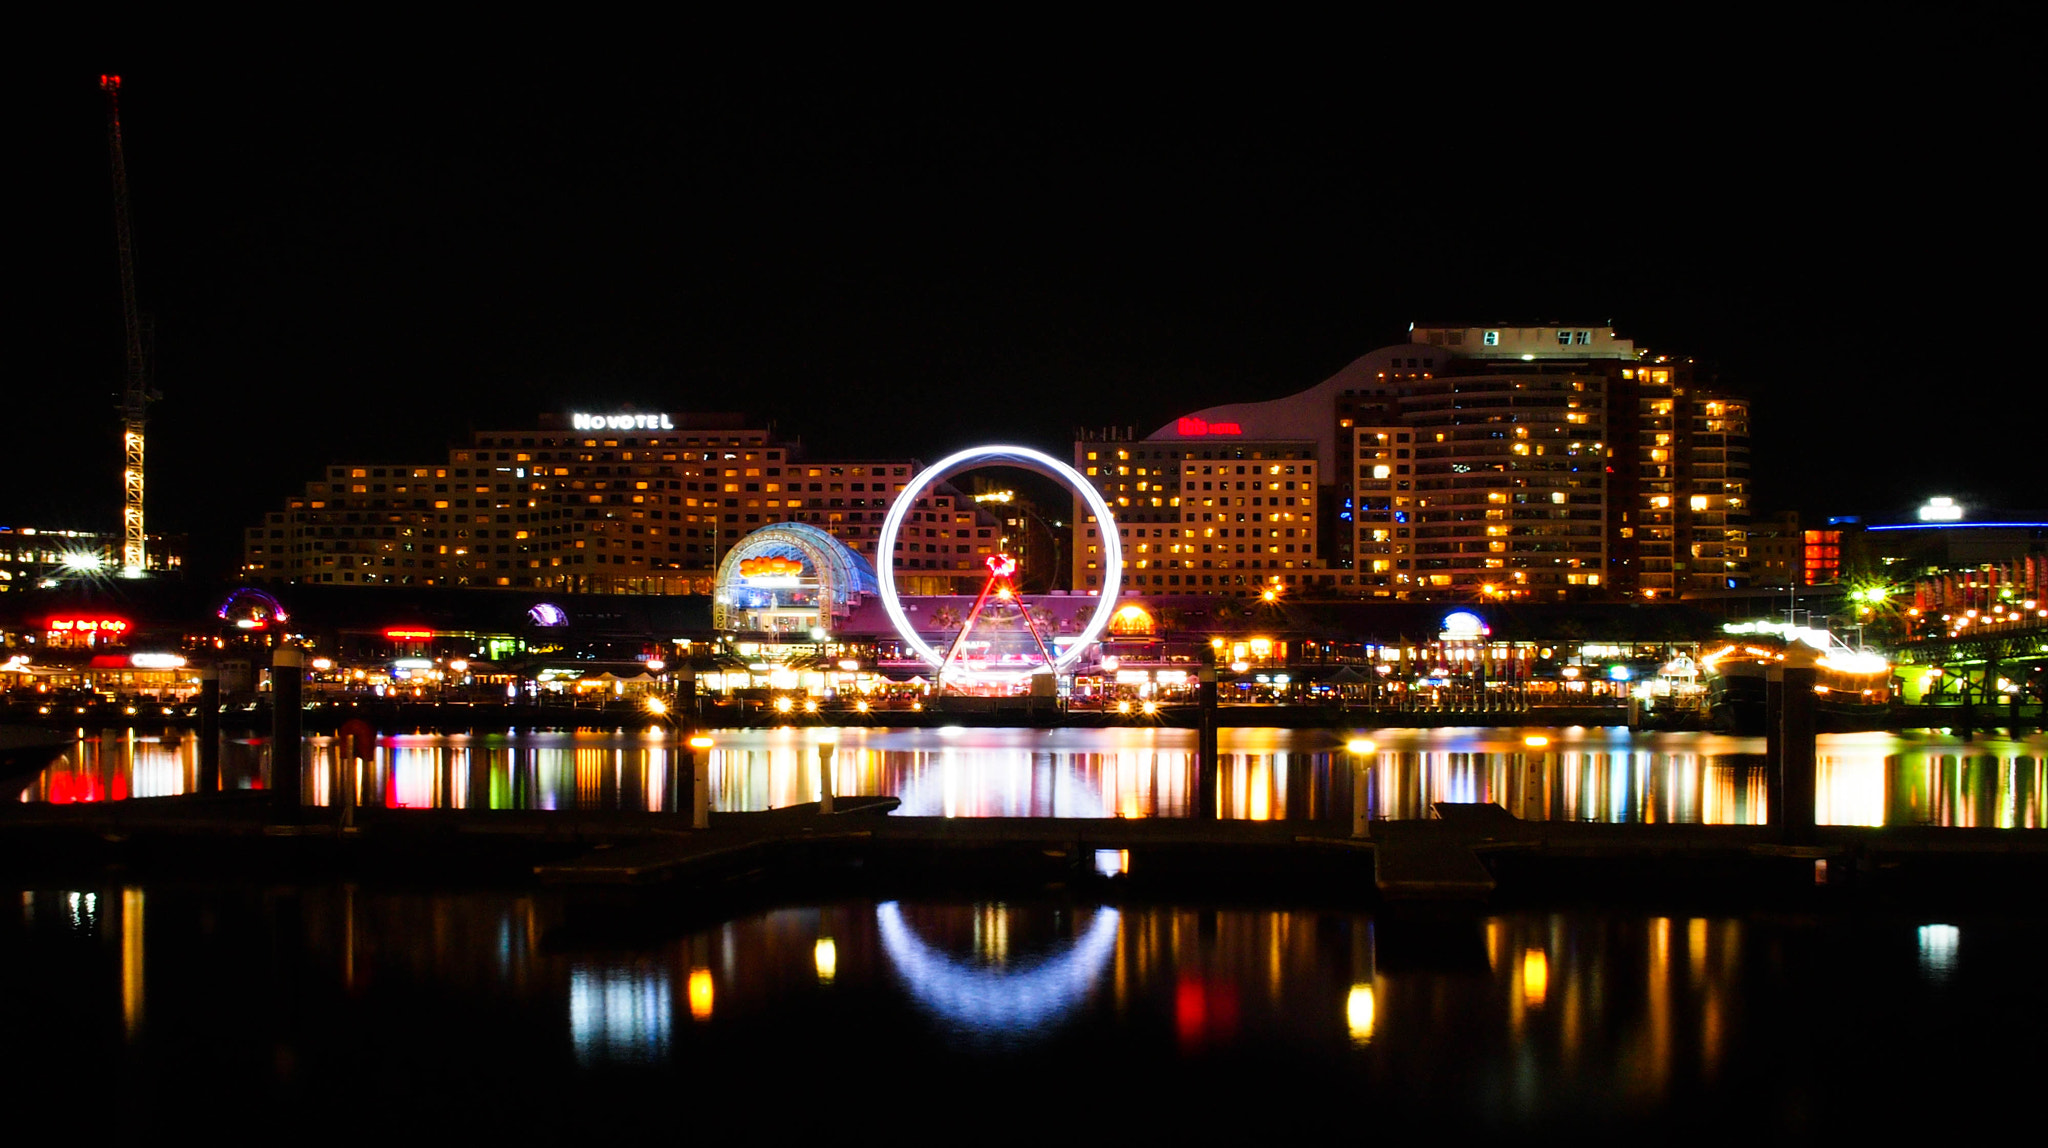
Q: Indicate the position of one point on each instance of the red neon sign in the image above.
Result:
(403, 634)
(1194, 427)
(88, 626)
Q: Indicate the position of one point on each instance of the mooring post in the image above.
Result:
(209, 729)
(675, 779)
(1535, 803)
(1774, 744)
(1361, 751)
(1207, 767)
(825, 763)
(1795, 678)
(700, 779)
(287, 740)
(345, 781)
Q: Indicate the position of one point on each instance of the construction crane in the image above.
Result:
(135, 392)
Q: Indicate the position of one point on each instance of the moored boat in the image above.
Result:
(1854, 687)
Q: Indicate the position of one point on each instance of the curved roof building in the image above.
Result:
(789, 576)
(1515, 461)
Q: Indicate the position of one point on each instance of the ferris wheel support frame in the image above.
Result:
(1028, 459)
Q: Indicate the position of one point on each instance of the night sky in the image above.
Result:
(886, 258)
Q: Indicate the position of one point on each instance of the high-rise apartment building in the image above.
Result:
(1535, 461)
(617, 504)
(1228, 516)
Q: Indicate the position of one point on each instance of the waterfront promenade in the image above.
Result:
(393, 715)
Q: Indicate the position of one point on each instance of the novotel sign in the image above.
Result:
(582, 421)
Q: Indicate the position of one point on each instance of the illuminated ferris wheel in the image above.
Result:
(999, 594)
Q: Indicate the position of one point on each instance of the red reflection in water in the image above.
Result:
(71, 788)
(1204, 1011)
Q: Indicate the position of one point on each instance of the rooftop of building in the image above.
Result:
(1306, 415)
(1524, 341)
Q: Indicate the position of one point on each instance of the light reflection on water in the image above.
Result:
(1267, 774)
(995, 996)
(1507, 1018)
(620, 1014)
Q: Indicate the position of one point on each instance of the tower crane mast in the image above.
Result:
(135, 392)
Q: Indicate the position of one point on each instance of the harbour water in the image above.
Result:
(353, 1011)
(1586, 774)
(255, 1002)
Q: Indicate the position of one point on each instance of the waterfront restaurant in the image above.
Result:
(479, 646)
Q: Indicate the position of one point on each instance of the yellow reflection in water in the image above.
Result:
(992, 931)
(1535, 976)
(131, 960)
(1359, 1013)
(700, 994)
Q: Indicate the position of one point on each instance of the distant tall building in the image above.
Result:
(1777, 551)
(605, 504)
(1029, 533)
(1536, 462)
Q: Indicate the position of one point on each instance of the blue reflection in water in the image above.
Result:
(620, 1015)
(1022, 1001)
(1938, 951)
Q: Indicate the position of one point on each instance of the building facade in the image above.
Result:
(1537, 461)
(33, 558)
(1224, 516)
(603, 504)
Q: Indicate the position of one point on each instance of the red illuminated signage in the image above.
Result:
(114, 626)
(1194, 427)
(403, 634)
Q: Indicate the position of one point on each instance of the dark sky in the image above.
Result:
(887, 258)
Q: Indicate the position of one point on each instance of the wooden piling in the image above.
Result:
(287, 739)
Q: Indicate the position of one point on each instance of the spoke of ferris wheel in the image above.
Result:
(960, 639)
(1024, 608)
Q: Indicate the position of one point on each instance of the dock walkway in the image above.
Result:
(1464, 854)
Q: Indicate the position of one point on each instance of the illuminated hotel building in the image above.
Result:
(618, 504)
(1227, 516)
(1536, 462)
